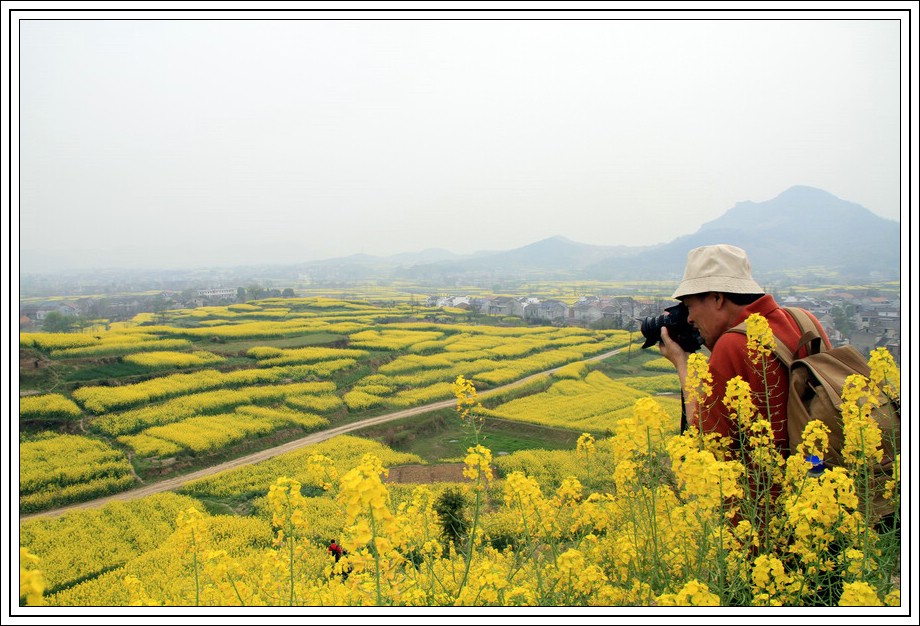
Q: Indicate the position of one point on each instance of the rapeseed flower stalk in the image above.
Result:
(863, 448)
(585, 447)
(761, 345)
(697, 389)
(191, 533)
(814, 440)
(698, 384)
(468, 406)
(892, 491)
(862, 436)
(31, 580)
(760, 341)
(226, 575)
(643, 431)
(321, 471)
(821, 520)
(574, 577)
(703, 477)
(288, 508)
(741, 407)
(645, 537)
(534, 514)
(570, 491)
(418, 523)
(478, 466)
(884, 373)
(758, 453)
(369, 522)
(489, 580)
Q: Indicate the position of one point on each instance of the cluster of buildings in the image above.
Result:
(855, 316)
(861, 317)
(613, 312)
(869, 321)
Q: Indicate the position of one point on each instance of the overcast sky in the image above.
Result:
(169, 143)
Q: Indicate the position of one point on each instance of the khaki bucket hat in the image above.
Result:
(721, 267)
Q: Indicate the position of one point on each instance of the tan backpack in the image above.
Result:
(815, 385)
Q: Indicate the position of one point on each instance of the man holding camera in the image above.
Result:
(719, 293)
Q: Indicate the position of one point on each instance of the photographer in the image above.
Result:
(719, 293)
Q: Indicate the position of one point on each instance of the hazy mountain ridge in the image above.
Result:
(554, 255)
(801, 228)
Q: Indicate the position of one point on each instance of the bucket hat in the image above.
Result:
(721, 267)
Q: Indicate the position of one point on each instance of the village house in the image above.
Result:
(547, 310)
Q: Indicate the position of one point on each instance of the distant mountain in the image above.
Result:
(801, 228)
(552, 256)
(431, 255)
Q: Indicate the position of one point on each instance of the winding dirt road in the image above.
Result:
(177, 481)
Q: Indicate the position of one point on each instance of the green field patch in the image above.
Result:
(440, 436)
(298, 341)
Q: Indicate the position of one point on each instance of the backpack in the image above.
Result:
(815, 385)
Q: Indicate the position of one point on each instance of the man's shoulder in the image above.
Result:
(730, 347)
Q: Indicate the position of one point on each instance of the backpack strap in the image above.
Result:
(782, 351)
(811, 336)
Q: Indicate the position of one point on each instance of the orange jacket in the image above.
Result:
(729, 359)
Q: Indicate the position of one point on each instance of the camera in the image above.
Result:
(679, 328)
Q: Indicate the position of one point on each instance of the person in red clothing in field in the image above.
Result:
(335, 550)
(720, 292)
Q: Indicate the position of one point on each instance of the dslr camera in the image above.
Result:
(679, 328)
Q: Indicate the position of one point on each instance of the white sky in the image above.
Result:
(165, 142)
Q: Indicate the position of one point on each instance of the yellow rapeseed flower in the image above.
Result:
(136, 594)
(770, 580)
(367, 501)
(478, 463)
(859, 593)
(760, 341)
(884, 373)
(693, 593)
(191, 529)
(31, 580)
(740, 405)
(698, 383)
(700, 475)
(862, 435)
(814, 440)
(570, 490)
(893, 599)
(585, 444)
(892, 487)
(321, 471)
(467, 400)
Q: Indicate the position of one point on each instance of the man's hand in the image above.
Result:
(674, 353)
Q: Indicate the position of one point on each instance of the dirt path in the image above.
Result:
(178, 481)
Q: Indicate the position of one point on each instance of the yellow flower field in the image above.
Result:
(643, 517)
(58, 469)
